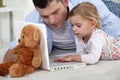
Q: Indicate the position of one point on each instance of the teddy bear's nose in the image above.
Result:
(18, 40)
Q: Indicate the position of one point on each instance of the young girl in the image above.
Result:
(92, 44)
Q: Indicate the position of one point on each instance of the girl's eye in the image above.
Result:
(78, 25)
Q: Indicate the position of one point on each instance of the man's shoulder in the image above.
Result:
(34, 17)
(73, 3)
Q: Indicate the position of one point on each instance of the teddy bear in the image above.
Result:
(28, 54)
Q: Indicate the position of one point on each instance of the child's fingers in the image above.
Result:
(66, 59)
(63, 59)
(58, 59)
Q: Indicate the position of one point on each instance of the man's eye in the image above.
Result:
(44, 17)
(72, 25)
(55, 12)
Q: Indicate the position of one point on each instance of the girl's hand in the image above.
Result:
(68, 58)
(63, 59)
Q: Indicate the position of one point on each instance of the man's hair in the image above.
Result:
(43, 3)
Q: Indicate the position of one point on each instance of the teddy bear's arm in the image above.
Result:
(36, 62)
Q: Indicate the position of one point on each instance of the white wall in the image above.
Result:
(24, 7)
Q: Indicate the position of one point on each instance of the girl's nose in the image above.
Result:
(74, 29)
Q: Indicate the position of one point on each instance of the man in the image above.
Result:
(113, 7)
(54, 13)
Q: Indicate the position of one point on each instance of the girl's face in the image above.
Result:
(82, 27)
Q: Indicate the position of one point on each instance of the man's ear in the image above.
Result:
(65, 3)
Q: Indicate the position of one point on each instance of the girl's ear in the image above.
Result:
(93, 24)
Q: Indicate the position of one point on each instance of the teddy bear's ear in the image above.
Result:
(36, 35)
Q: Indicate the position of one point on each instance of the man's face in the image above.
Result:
(54, 14)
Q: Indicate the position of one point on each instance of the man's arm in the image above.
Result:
(9, 56)
(113, 7)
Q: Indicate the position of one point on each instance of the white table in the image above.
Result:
(10, 11)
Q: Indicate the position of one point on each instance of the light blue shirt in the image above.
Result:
(106, 0)
(110, 22)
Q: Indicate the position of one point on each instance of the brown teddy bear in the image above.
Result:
(28, 55)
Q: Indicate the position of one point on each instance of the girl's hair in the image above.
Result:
(88, 11)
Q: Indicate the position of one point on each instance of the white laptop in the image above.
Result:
(47, 61)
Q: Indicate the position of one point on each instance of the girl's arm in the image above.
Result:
(69, 58)
(94, 49)
(92, 56)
